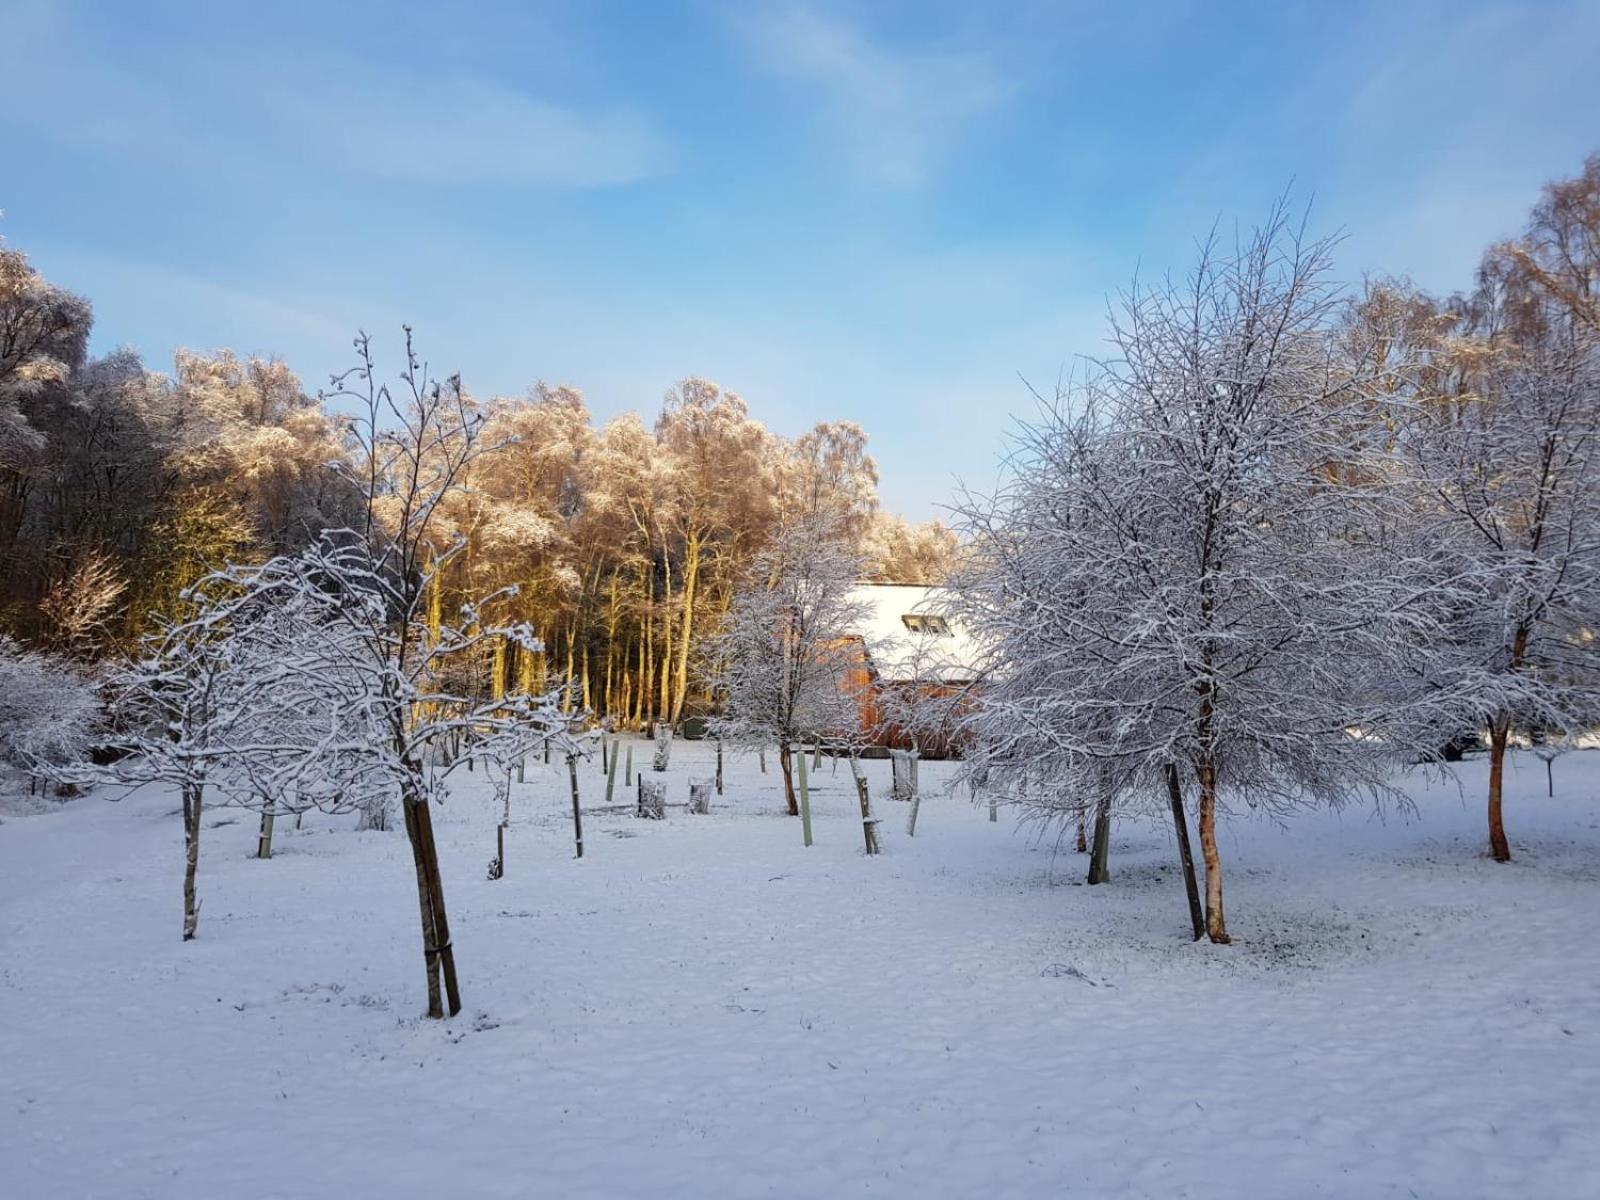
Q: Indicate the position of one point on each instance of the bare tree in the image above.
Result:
(789, 661)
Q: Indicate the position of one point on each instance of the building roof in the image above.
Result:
(897, 653)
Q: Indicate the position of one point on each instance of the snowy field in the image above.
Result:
(703, 1007)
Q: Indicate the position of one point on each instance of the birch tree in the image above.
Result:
(788, 660)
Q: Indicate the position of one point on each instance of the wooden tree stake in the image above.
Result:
(577, 812)
(1099, 872)
(1197, 916)
(805, 798)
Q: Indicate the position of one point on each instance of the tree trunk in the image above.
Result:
(719, 766)
(1499, 738)
(1216, 923)
(691, 582)
(869, 824)
(192, 806)
(1083, 833)
(1185, 854)
(441, 922)
(647, 663)
(438, 954)
(785, 766)
(435, 601)
(264, 839)
(497, 670)
(1099, 872)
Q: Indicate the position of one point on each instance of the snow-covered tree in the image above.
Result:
(898, 552)
(788, 661)
(827, 475)
(1505, 461)
(723, 469)
(1174, 577)
(177, 707)
(44, 332)
(375, 586)
(248, 423)
(341, 720)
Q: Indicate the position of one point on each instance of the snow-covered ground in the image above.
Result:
(703, 1007)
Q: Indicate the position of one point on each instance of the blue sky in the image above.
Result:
(888, 212)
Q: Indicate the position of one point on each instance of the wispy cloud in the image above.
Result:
(465, 130)
(329, 108)
(899, 112)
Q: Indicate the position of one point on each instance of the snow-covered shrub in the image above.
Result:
(48, 711)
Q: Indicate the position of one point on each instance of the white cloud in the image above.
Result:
(336, 111)
(463, 130)
(899, 113)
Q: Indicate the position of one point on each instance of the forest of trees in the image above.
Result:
(122, 485)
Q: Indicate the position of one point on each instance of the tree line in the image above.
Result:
(120, 486)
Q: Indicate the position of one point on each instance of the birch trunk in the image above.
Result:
(192, 806)
(691, 583)
(1216, 922)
